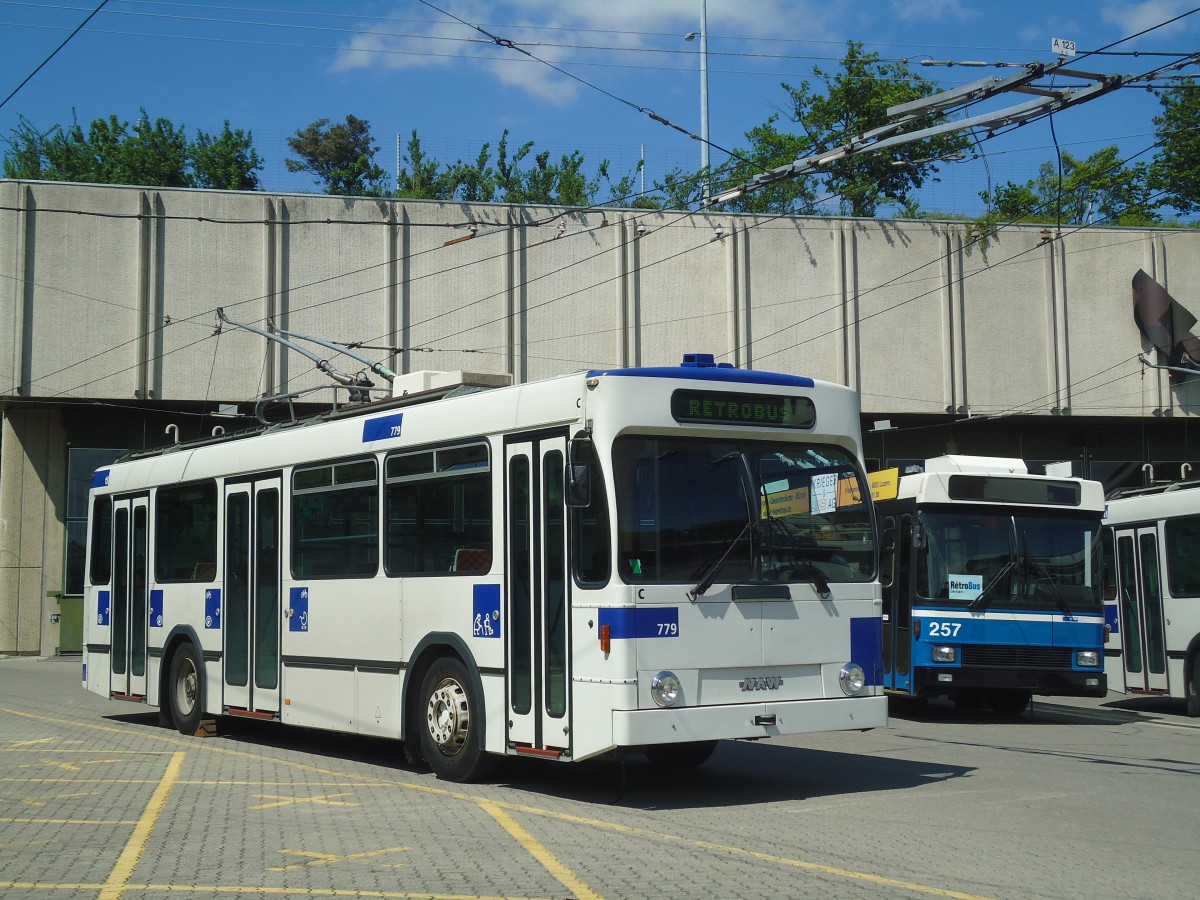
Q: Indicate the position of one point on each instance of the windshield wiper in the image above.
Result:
(710, 574)
(979, 602)
(1054, 592)
(799, 551)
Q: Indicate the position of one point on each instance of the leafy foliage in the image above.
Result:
(520, 176)
(341, 157)
(1099, 188)
(1176, 169)
(148, 153)
(226, 162)
(852, 101)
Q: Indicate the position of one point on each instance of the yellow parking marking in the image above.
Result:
(33, 821)
(70, 767)
(17, 744)
(263, 890)
(741, 851)
(849, 874)
(561, 873)
(42, 801)
(118, 878)
(323, 800)
(325, 859)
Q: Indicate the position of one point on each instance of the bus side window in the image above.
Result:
(590, 526)
(185, 532)
(100, 551)
(438, 512)
(887, 553)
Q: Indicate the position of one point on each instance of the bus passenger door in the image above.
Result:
(897, 607)
(537, 679)
(128, 608)
(1140, 608)
(253, 611)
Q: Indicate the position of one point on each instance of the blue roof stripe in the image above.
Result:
(726, 375)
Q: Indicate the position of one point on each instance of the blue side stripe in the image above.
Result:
(640, 622)
(866, 646)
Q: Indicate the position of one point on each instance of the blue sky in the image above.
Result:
(271, 67)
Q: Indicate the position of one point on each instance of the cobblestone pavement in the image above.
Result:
(1093, 798)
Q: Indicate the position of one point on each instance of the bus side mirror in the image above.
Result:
(918, 536)
(579, 485)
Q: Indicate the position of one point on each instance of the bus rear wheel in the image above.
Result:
(681, 756)
(185, 689)
(451, 726)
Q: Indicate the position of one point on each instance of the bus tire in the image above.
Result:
(1009, 703)
(450, 720)
(1192, 687)
(681, 756)
(185, 689)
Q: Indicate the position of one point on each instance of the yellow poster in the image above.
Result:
(885, 484)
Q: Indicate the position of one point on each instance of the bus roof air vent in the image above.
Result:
(977, 465)
(702, 361)
(426, 381)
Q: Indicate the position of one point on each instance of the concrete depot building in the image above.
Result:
(1023, 346)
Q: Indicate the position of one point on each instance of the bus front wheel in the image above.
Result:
(681, 756)
(451, 724)
(1192, 688)
(186, 689)
(1009, 702)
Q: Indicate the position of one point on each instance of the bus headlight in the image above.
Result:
(944, 654)
(1087, 659)
(852, 678)
(665, 688)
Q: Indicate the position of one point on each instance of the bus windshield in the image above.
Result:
(755, 511)
(989, 559)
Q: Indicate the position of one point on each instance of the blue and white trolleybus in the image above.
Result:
(642, 559)
(991, 584)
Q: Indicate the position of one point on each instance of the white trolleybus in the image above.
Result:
(991, 583)
(1152, 596)
(643, 559)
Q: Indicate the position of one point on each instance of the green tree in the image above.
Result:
(854, 101)
(225, 162)
(421, 177)
(153, 153)
(341, 157)
(1176, 169)
(1098, 188)
(848, 102)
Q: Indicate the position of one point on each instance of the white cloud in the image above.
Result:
(935, 10)
(553, 30)
(1131, 18)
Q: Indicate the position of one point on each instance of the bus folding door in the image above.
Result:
(253, 607)
(1140, 609)
(538, 666)
(129, 603)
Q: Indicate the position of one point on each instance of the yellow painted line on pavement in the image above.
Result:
(259, 889)
(561, 873)
(849, 874)
(119, 877)
(324, 800)
(31, 821)
(741, 851)
(325, 859)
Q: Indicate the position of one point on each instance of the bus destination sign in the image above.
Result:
(726, 408)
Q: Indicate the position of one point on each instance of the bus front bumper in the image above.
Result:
(1043, 683)
(642, 727)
